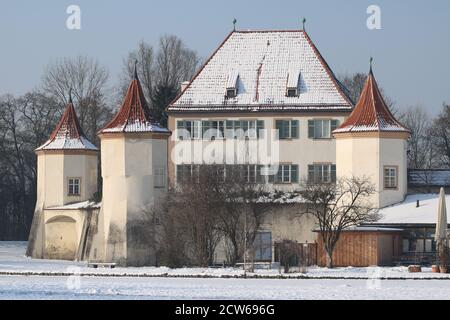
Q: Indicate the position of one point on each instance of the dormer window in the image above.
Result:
(232, 84)
(231, 93)
(292, 83)
(292, 92)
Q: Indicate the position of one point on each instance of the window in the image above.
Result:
(231, 93)
(287, 129)
(189, 129)
(74, 186)
(159, 177)
(321, 173)
(292, 93)
(321, 129)
(287, 173)
(390, 177)
(263, 246)
(240, 129)
(232, 84)
(292, 83)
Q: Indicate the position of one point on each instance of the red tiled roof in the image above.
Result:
(134, 113)
(68, 133)
(371, 112)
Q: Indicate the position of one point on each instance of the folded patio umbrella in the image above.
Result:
(441, 225)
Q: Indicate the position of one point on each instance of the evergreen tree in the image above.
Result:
(162, 96)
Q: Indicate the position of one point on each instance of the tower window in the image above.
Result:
(74, 186)
(159, 176)
(390, 178)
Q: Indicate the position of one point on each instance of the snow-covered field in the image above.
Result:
(24, 278)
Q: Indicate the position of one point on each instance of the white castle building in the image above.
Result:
(272, 80)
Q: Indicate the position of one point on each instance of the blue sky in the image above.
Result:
(411, 52)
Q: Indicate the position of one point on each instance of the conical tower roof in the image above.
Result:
(68, 134)
(134, 113)
(371, 114)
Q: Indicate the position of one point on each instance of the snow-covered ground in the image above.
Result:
(24, 278)
(38, 287)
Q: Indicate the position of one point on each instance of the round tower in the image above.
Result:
(66, 173)
(372, 143)
(134, 172)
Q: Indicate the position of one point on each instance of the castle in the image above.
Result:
(260, 80)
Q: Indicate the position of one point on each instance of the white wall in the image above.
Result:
(367, 156)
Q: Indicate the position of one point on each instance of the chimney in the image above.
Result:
(184, 85)
(417, 204)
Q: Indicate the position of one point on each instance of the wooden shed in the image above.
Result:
(363, 247)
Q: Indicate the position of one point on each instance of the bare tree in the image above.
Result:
(86, 79)
(354, 83)
(25, 123)
(194, 210)
(242, 207)
(144, 54)
(160, 71)
(441, 135)
(420, 146)
(339, 206)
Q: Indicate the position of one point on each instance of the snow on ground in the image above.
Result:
(73, 280)
(14, 262)
(37, 287)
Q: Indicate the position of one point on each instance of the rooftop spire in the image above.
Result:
(371, 112)
(68, 133)
(234, 24)
(303, 23)
(134, 113)
(135, 69)
(70, 95)
(371, 61)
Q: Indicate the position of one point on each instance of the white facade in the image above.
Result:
(129, 193)
(368, 155)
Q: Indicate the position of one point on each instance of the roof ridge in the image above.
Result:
(327, 69)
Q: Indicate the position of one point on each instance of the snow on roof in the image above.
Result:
(371, 112)
(78, 205)
(68, 134)
(407, 213)
(232, 79)
(263, 60)
(134, 113)
(438, 177)
(292, 78)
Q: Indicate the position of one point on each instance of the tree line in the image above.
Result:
(26, 121)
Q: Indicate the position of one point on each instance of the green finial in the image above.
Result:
(303, 23)
(371, 60)
(234, 24)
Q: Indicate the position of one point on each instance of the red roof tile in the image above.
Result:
(134, 113)
(68, 133)
(371, 112)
